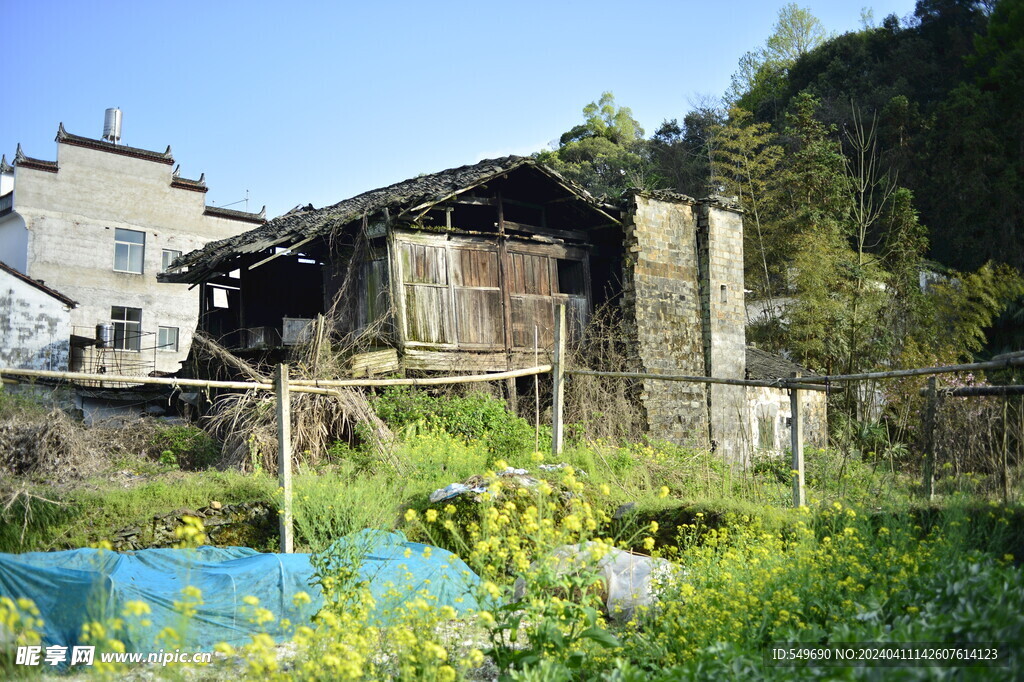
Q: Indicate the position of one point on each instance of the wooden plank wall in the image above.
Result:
(453, 300)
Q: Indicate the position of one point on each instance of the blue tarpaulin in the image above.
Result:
(81, 585)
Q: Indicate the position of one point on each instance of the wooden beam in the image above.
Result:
(476, 201)
(547, 231)
(1007, 360)
(506, 303)
(1006, 456)
(971, 391)
(558, 380)
(780, 383)
(930, 410)
(287, 252)
(423, 381)
(527, 204)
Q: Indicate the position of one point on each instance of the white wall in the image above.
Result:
(770, 407)
(35, 328)
(14, 242)
(71, 217)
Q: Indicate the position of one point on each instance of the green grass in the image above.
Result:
(88, 514)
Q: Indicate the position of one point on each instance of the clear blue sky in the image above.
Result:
(313, 102)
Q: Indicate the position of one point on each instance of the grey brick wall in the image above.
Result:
(680, 253)
(720, 234)
(662, 299)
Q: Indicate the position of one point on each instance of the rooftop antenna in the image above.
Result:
(246, 200)
(112, 125)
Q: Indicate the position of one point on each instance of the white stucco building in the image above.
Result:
(35, 323)
(98, 225)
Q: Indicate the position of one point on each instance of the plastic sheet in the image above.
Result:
(77, 586)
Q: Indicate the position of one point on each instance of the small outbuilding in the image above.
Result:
(769, 409)
(35, 323)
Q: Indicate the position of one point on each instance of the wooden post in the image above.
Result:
(558, 380)
(536, 389)
(931, 397)
(284, 456)
(1006, 456)
(796, 434)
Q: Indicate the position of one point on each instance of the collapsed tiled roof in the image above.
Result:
(765, 366)
(400, 198)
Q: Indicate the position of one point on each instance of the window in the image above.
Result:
(167, 257)
(168, 339)
(127, 327)
(129, 250)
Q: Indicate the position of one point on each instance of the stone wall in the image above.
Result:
(662, 307)
(683, 300)
(720, 248)
(249, 524)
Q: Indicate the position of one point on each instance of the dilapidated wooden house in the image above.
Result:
(449, 271)
(461, 270)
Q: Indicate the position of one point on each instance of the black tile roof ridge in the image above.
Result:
(260, 217)
(187, 183)
(80, 141)
(665, 195)
(28, 162)
(762, 365)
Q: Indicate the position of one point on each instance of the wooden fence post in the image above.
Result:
(284, 456)
(558, 380)
(931, 397)
(1006, 455)
(796, 434)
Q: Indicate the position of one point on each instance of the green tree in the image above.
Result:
(606, 154)
(682, 155)
(761, 74)
(745, 164)
(816, 209)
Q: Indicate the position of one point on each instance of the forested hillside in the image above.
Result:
(867, 163)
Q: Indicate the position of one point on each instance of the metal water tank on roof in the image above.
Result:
(112, 125)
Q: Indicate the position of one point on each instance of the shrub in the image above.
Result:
(186, 446)
(476, 416)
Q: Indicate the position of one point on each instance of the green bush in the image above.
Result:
(186, 446)
(473, 417)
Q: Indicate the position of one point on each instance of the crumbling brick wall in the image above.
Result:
(662, 306)
(680, 253)
(720, 245)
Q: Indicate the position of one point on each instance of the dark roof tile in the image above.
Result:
(65, 137)
(765, 366)
(401, 197)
